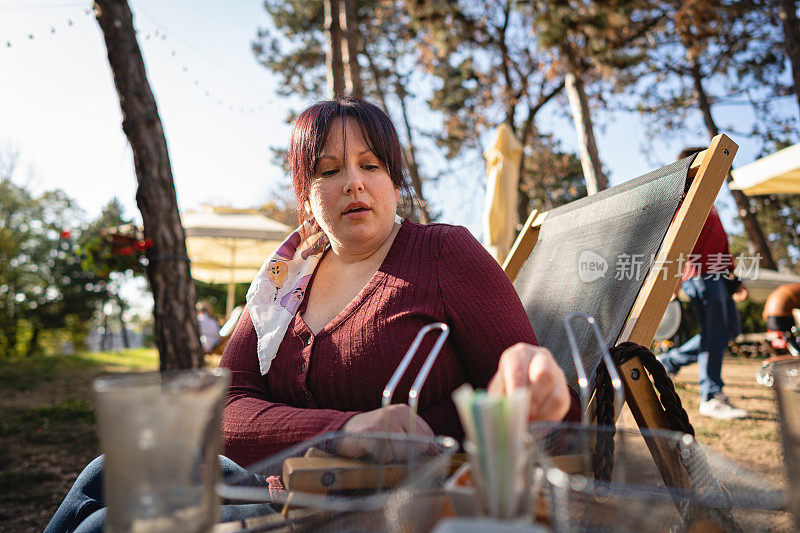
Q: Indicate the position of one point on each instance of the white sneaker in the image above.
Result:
(720, 407)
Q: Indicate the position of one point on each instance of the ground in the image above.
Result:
(753, 442)
(47, 431)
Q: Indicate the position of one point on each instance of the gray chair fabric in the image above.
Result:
(592, 256)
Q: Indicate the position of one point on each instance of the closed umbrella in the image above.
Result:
(229, 245)
(777, 173)
(500, 210)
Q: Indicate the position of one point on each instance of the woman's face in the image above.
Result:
(352, 196)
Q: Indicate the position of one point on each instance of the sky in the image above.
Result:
(59, 109)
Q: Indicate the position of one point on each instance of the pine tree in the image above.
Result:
(695, 50)
(177, 334)
(295, 49)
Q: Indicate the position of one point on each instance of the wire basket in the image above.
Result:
(363, 481)
(366, 481)
(710, 492)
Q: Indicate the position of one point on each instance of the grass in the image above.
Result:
(47, 431)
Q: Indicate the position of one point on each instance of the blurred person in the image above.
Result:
(208, 325)
(709, 282)
(779, 307)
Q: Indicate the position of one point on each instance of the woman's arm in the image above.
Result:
(491, 330)
(481, 306)
(254, 426)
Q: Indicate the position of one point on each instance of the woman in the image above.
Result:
(333, 310)
(321, 336)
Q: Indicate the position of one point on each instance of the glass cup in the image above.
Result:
(161, 433)
(787, 393)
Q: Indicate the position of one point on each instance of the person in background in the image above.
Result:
(778, 314)
(208, 325)
(779, 306)
(709, 282)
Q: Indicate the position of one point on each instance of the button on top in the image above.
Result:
(310, 340)
(307, 395)
(303, 366)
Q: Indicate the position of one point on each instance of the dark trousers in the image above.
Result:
(718, 321)
(84, 510)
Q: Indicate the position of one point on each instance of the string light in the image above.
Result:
(157, 35)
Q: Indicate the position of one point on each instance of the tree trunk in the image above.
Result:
(787, 10)
(333, 49)
(592, 169)
(8, 324)
(410, 155)
(751, 225)
(123, 328)
(176, 331)
(33, 344)
(106, 341)
(348, 21)
(527, 128)
(409, 152)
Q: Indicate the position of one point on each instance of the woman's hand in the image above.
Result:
(525, 365)
(395, 418)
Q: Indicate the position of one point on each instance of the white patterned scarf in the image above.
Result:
(280, 286)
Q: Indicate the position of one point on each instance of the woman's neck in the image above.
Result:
(347, 256)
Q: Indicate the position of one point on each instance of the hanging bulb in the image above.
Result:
(52, 29)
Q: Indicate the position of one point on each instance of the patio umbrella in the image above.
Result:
(500, 210)
(230, 245)
(778, 173)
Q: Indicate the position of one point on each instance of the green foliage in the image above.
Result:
(490, 66)
(293, 47)
(727, 46)
(468, 66)
(111, 243)
(750, 317)
(551, 177)
(595, 38)
(42, 285)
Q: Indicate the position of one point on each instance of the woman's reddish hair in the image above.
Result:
(312, 127)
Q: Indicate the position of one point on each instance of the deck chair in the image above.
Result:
(568, 260)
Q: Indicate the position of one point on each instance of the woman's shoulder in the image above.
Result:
(439, 231)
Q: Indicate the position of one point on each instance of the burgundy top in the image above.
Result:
(710, 255)
(433, 273)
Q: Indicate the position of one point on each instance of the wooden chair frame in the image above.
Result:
(708, 170)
